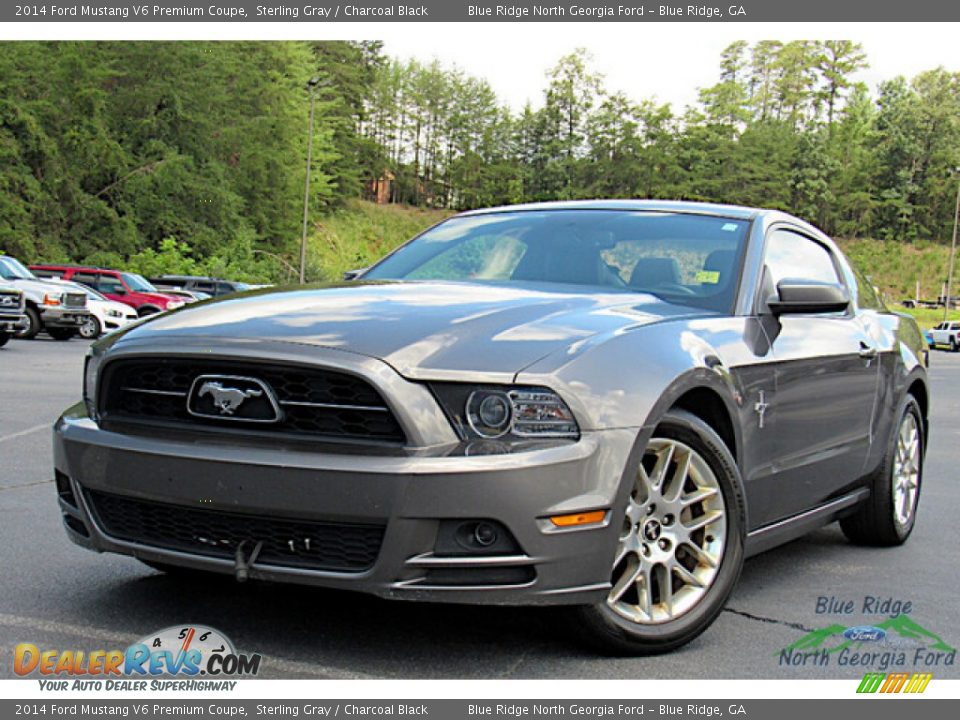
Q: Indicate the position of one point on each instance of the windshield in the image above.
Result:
(13, 269)
(684, 259)
(138, 283)
(89, 291)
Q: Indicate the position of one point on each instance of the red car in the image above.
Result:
(125, 287)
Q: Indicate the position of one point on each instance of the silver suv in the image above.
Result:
(47, 305)
(12, 319)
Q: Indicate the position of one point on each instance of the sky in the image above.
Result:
(665, 61)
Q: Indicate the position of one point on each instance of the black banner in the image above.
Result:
(885, 709)
(479, 11)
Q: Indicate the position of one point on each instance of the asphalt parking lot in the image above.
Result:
(57, 595)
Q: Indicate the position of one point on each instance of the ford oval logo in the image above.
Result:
(865, 633)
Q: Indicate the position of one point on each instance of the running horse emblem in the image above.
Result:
(226, 399)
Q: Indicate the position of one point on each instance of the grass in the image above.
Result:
(927, 317)
(896, 268)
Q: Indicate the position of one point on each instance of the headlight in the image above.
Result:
(91, 372)
(52, 299)
(174, 304)
(490, 412)
(114, 313)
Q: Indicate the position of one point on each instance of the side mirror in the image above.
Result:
(808, 297)
(350, 275)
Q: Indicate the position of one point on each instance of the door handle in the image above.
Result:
(867, 352)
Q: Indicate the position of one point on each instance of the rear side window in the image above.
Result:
(867, 296)
(795, 256)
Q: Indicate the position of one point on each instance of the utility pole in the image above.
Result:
(953, 254)
(313, 84)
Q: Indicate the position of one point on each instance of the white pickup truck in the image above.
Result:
(49, 306)
(946, 334)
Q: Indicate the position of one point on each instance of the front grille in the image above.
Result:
(11, 301)
(74, 300)
(311, 402)
(338, 547)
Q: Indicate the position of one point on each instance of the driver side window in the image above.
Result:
(792, 255)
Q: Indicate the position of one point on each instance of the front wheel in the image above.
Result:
(4, 338)
(953, 345)
(34, 324)
(91, 329)
(889, 514)
(680, 549)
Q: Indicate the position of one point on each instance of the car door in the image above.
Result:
(825, 376)
(112, 287)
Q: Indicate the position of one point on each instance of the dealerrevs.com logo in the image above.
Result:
(187, 652)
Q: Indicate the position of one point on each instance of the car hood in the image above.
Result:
(422, 329)
(39, 286)
(158, 297)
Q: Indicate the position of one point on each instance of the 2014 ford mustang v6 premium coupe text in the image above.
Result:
(603, 405)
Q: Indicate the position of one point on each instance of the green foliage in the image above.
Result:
(190, 156)
(110, 152)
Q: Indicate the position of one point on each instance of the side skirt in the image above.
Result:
(783, 531)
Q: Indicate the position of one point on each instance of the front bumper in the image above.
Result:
(12, 322)
(409, 494)
(62, 317)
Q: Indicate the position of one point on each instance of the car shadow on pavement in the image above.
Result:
(342, 632)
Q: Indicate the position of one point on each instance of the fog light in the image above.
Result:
(485, 534)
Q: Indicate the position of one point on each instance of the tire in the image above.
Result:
(953, 345)
(91, 329)
(146, 311)
(34, 324)
(4, 338)
(615, 625)
(61, 333)
(882, 521)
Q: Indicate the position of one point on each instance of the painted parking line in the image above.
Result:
(28, 431)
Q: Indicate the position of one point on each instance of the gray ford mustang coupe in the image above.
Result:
(600, 405)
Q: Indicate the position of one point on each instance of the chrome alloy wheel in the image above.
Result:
(906, 471)
(673, 536)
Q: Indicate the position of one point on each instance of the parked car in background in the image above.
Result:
(106, 315)
(47, 305)
(606, 405)
(188, 296)
(211, 286)
(124, 287)
(946, 334)
(12, 318)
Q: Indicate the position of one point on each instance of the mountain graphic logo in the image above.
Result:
(831, 638)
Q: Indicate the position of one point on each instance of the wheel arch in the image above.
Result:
(709, 394)
(917, 388)
(148, 309)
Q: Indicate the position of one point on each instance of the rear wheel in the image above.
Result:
(61, 333)
(953, 345)
(888, 516)
(681, 544)
(4, 338)
(34, 324)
